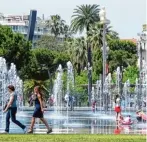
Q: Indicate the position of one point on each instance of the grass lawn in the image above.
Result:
(72, 138)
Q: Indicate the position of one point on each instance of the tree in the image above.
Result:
(95, 35)
(117, 44)
(85, 16)
(48, 42)
(67, 33)
(56, 25)
(31, 83)
(131, 73)
(78, 53)
(18, 52)
(117, 56)
(43, 61)
(121, 53)
(97, 61)
(51, 43)
(14, 48)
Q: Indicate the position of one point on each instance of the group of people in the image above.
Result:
(141, 116)
(11, 110)
(37, 96)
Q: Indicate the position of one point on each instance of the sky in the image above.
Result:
(126, 16)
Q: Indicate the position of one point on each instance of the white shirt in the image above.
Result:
(118, 102)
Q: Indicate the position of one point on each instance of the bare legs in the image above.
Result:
(33, 122)
(45, 122)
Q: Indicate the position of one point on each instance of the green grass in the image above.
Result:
(72, 138)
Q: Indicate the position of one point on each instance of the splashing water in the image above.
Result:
(57, 95)
(8, 77)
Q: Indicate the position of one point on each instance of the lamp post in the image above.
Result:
(105, 22)
(122, 70)
(141, 47)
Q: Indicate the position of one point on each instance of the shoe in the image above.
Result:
(30, 132)
(49, 131)
(4, 132)
(25, 130)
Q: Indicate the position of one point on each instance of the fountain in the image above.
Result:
(99, 93)
(69, 91)
(70, 84)
(8, 77)
(13, 79)
(129, 98)
(57, 96)
(57, 89)
(81, 120)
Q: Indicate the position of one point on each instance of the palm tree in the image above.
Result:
(56, 25)
(78, 53)
(95, 35)
(30, 84)
(85, 16)
(67, 33)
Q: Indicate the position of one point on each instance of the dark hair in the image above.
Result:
(11, 87)
(138, 111)
(39, 90)
(117, 96)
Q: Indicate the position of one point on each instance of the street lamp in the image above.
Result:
(141, 47)
(107, 50)
(122, 70)
(105, 22)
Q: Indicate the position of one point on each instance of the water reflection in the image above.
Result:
(79, 122)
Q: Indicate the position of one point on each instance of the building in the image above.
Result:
(20, 24)
(131, 39)
(142, 43)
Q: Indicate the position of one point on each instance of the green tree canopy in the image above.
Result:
(14, 48)
(51, 43)
(131, 73)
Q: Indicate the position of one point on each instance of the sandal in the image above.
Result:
(30, 132)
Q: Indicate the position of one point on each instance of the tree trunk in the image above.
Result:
(89, 55)
(79, 69)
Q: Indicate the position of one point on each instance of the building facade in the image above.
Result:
(20, 24)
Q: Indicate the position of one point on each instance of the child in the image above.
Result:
(141, 116)
(117, 107)
(127, 120)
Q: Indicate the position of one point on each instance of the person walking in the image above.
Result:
(38, 112)
(11, 109)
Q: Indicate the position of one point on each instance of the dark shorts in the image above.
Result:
(38, 113)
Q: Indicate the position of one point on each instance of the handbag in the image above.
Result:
(5, 105)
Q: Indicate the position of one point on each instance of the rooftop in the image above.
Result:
(132, 40)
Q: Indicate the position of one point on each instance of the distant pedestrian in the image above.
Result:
(94, 106)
